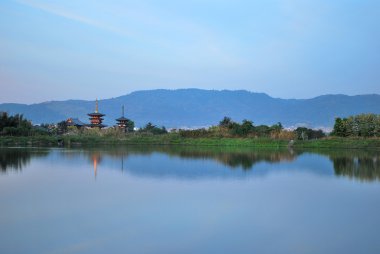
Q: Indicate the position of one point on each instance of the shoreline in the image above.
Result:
(170, 139)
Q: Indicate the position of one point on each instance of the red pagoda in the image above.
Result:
(122, 121)
(96, 118)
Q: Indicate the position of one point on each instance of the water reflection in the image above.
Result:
(236, 158)
(189, 200)
(361, 165)
(355, 164)
(169, 161)
(242, 158)
(96, 159)
(14, 159)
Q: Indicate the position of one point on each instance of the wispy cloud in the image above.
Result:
(153, 26)
(69, 14)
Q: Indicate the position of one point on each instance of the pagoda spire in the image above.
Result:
(96, 106)
(122, 111)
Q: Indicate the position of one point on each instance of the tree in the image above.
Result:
(363, 125)
(150, 128)
(262, 130)
(226, 122)
(129, 126)
(303, 133)
(15, 125)
(339, 128)
(62, 127)
(276, 129)
(247, 127)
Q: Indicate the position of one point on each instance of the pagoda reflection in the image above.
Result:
(96, 159)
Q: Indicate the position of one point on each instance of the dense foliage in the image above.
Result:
(153, 129)
(17, 126)
(229, 128)
(303, 133)
(129, 126)
(364, 125)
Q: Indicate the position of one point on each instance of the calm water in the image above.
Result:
(188, 200)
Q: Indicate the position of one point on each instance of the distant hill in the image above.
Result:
(196, 108)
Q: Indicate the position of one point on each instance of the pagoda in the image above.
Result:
(122, 121)
(96, 118)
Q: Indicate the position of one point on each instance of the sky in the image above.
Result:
(87, 49)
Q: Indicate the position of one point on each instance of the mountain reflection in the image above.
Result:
(14, 159)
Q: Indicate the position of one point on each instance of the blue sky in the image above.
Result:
(85, 49)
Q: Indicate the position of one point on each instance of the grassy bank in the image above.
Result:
(341, 143)
(167, 139)
(174, 139)
(43, 140)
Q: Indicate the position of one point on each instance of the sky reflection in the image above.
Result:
(188, 200)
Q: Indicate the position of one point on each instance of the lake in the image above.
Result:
(169, 199)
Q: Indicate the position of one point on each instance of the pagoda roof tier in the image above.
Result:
(122, 119)
(95, 114)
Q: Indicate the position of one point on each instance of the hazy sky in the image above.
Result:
(86, 49)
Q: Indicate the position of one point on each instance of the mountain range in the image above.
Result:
(199, 108)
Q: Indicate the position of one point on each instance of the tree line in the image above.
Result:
(363, 125)
(17, 125)
(229, 128)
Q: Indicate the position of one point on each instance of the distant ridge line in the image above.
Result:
(198, 107)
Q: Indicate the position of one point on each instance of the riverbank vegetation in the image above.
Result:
(360, 131)
(176, 139)
(17, 125)
(364, 125)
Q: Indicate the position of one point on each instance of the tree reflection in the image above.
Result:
(16, 159)
(365, 168)
(244, 158)
(363, 165)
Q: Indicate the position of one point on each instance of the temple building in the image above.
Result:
(122, 121)
(96, 118)
(75, 122)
